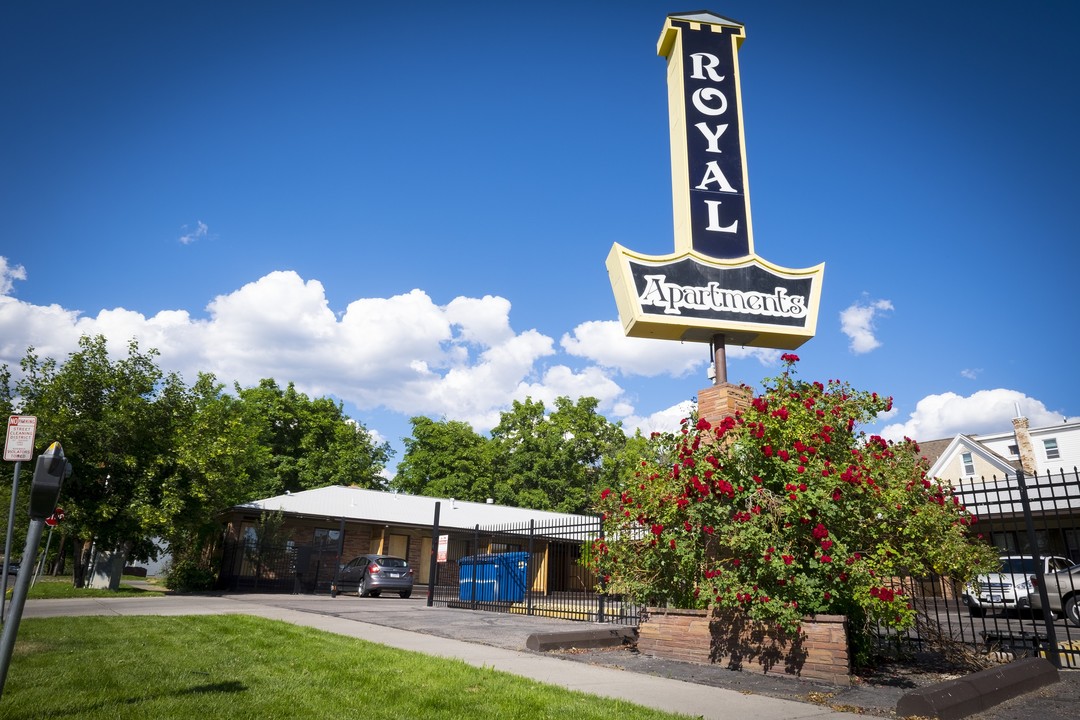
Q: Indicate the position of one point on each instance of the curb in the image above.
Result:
(567, 639)
(979, 691)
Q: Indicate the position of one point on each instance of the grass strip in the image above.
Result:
(238, 666)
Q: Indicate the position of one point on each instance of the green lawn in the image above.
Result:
(48, 587)
(236, 666)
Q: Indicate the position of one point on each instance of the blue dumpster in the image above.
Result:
(511, 576)
(501, 577)
(476, 578)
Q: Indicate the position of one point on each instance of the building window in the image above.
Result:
(1051, 449)
(969, 464)
(325, 537)
(1014, 450)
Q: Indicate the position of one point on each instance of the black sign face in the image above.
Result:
(748, 294)
(716, 178)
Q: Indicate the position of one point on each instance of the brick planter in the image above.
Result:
(737, 643)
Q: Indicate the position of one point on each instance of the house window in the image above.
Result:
(969, 464)
(1014, 450)
(325, 537)
(1051, 449)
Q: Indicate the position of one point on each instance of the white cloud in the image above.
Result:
(9, 274)
(405, 353)
(187, 237)
(857, 322)
(946, 415)
(605, 343)
(970, 373)
(666, 420)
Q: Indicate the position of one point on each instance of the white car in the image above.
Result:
(1009, 588)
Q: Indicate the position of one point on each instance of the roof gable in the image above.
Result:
(962, 443)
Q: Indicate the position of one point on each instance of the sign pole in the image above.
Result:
(7, 544)
(719, 359)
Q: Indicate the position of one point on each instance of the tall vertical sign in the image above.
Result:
(713, 283)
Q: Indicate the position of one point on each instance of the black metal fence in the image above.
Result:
(1035, 516)
(535, 568)
(251, 566)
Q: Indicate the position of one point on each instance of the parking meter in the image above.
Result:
(49, 475)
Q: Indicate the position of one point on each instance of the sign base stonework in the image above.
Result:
(733, 641)
(722, 401)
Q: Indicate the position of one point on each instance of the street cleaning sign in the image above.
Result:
(713, 283)
(19, 445)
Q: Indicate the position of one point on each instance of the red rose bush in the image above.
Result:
(786, 510)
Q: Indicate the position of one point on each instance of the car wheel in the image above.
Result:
(977, 611)
(362, 591)
(374, 593)
(333, 591)
(405, 593)
(1072, 610)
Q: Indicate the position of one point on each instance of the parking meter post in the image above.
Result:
(433, 561)
(7, 544)
(18, 598)
(1044, 599)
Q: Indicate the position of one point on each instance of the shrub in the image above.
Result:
(187, 574)
(786, 510)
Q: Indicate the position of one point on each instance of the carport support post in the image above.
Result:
(340, 550)
(433, 561)
(1044, 600)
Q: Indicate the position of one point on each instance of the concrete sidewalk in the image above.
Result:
(486, 640)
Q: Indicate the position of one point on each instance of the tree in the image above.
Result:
(788, 509)
(311, 443)
(552, 462)
(445, 458)
(117, 425)
(219, 463)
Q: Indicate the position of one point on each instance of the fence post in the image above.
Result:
(1044, 599)
(602, 595)
(476, 555)
(529, 572)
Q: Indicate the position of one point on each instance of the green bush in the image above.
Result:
(186, 575)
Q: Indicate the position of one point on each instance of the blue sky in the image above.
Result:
(408, 206)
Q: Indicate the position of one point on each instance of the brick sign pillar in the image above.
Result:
(722, 401)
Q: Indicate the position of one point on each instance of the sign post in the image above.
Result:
(18, 447)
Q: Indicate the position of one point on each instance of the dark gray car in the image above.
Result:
(1063, 591)
(369, 575)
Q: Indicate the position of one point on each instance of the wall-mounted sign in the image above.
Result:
(714, 283)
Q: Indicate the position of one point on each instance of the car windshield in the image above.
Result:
(391, 562)
(1018, 566)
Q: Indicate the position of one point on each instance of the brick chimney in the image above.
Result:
(1023, 444)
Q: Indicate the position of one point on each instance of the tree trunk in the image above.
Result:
(80, 552)
(58, 564)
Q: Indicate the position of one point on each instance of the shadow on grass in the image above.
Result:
(228, 686)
